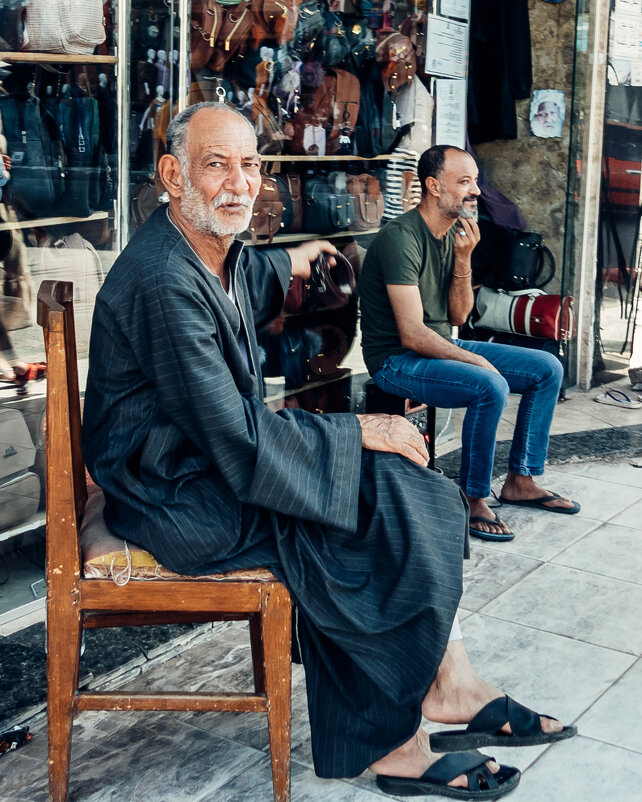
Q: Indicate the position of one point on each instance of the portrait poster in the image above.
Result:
(547, 113)
(446, 47)
(450, 112)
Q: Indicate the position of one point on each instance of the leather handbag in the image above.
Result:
(529, 312)
(397, 55)
(267, 211)
(329, 287)
(368, 201)
(522, 262)
(205, 23)
(327, 206)
(289, 185)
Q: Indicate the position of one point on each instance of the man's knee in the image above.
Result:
(494, 389)
(553, 369)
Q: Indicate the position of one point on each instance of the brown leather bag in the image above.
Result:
(233, 36)
(269, 133)
(205, 24)
(267, 211)
(397, 55)
(335, 107)
(274, 20)
(368, 201)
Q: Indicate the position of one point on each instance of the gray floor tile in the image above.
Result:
(549, 673)
(540, 535)
(599, 499)
(157, 757)
(621, 472)
(256, 786)
(632, 516)
(606, 551)
(581, 770)
(505, 570)
(587, 607)
(616, 717)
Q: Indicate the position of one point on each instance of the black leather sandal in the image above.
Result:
(482, 783)
(485, 729)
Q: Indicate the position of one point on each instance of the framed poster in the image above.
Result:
(446, 47)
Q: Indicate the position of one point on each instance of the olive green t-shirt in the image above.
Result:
(403, 252)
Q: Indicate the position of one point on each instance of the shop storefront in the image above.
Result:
(343, 97)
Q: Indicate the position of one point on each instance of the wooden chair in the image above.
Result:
(75, 602)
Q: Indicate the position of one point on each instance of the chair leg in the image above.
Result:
(276, 616)
(256, 641)
(63, 659)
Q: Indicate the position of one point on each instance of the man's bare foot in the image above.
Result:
(478, 507)
(413, 758)
(458, 693)
(524, 488)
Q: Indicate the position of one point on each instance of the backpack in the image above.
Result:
(397, 56)
(267, 211)
(309, 26)
(400, 183)
(347, 43)
(64, 26)
(333, 107)
(377, 129)
(274, 20)
(289, 185)
(205, 24)
(33, 144)
(327, 205)
(79, 126)
(415, 107)
(233, 35)
(268, 129)
(368, 201)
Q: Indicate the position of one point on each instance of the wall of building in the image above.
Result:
(529, 170)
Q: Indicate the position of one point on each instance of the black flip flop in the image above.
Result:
(493, 536)
(436, 778)
(540, 504)
(485, 729)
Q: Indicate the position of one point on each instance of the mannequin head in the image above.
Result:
(150, 54)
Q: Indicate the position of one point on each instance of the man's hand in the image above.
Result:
(464, 245)
(393, 433)
(303, 255)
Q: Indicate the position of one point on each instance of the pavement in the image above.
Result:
(552, 618)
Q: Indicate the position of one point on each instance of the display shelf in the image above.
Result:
(33, 522)
(51, 221)
(304, 236)
(14, 57)
(329, 158)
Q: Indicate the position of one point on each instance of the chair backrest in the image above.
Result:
(66, 483)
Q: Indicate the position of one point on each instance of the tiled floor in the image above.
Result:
(552, 617)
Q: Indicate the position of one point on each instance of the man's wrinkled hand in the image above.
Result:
(393, 433)
(303, 255)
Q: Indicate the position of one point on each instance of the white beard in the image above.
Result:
(205, 216)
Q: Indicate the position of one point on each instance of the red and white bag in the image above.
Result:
(529, 312)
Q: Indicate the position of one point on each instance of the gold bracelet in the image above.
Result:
(462, 275)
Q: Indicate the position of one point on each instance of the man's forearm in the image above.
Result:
(460, 294)
(428, 343)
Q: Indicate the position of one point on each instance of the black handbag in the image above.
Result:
(524, 262)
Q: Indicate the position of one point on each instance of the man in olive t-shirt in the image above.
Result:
(415, 285)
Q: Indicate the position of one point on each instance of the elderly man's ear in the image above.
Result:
(169, 170)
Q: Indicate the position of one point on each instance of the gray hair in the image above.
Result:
(176, 136)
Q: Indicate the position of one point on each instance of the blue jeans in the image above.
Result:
(535, 375)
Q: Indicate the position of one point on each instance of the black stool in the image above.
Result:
(420, 415)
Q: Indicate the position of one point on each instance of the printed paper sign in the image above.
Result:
(460, 9)
(450, 118)
(625, 36)
(446, 47)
